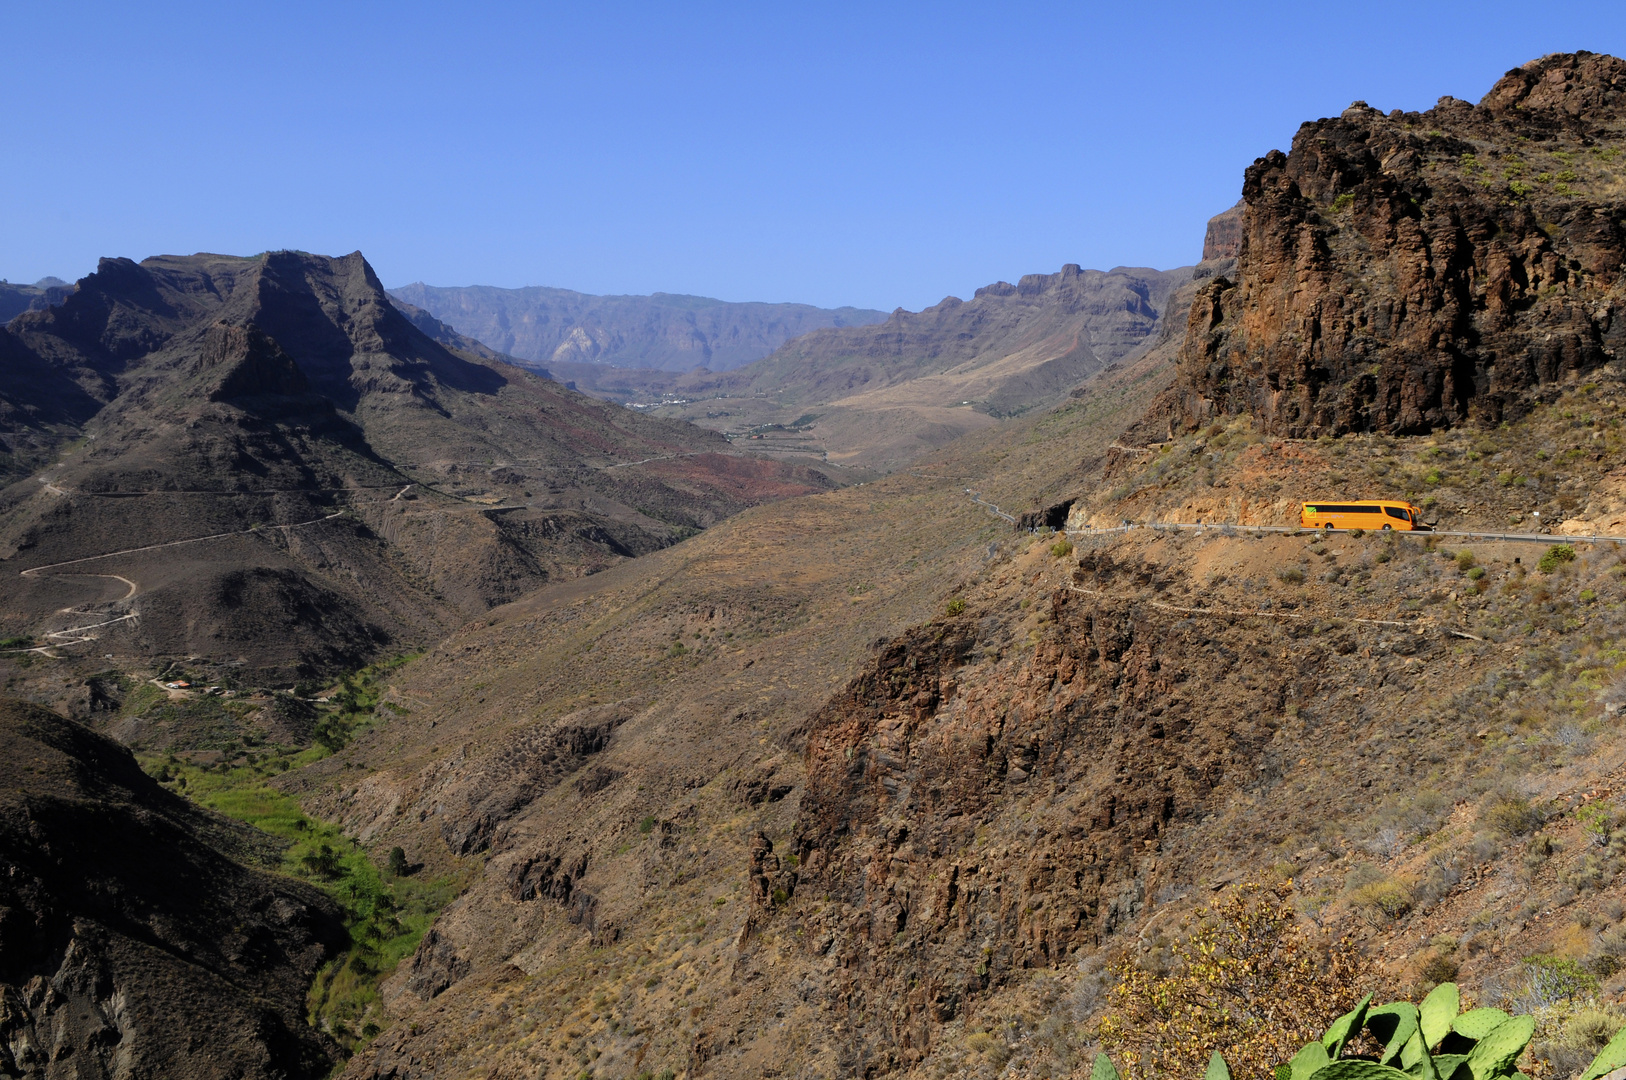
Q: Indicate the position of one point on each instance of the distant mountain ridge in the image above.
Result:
(16, 299)
(878, 395)
(1065, 326)
(662, 331)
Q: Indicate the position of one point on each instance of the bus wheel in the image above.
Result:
(1388, 528)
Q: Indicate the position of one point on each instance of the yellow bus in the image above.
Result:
(1362, 514)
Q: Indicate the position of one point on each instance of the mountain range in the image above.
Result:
(877, 396)
(662, 332)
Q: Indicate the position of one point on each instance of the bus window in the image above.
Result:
(1397, 512)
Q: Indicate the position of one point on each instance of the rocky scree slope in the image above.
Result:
(662, 332)
(137, 936)
(220, 395)
(1401, 272)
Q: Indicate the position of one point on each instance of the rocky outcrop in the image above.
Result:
(479, 797)
(910, 883)
(133, 942)
(1223, 237)
(1404, 271)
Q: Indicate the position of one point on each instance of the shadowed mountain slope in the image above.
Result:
(366, 487)
(16, 299)
(662, 332)
(129, 917)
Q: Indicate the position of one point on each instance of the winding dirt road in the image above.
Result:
(79, 635)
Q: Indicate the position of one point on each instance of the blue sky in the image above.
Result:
(869, 154)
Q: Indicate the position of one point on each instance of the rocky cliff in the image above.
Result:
(1403, 271)
(662, 332)
(134, 939)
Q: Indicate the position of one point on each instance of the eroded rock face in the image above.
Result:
(132, 942)
(531, 760)
(1404, 271)
(913, 898)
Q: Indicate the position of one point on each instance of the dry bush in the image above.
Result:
(1246, 979)
(1379, 903)
(1513, 815)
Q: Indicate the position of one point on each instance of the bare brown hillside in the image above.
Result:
(750, 861)
(872, 784)
(879, 781)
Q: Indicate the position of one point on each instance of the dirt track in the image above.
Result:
(77, 635)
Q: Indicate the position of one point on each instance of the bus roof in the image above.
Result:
(1361, 502)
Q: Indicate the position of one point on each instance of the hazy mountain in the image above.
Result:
(665, 331)
(16, 299)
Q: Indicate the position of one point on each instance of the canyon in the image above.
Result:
(790, 772)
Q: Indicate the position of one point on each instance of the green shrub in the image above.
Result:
(1556, 556)
(647, 826)
(1475, 573)
(1465, 560)
(1061, 548)
(1597, 820)
(1513, 815)
(1558, 978)
(955, 606)
(1591, 1029)
(1433, 1038)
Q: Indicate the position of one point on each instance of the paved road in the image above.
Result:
(979, 501)
(1167, 526)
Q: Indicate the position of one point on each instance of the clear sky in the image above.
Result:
(872, 154)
